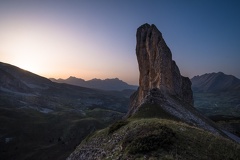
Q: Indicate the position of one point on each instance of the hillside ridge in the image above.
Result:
(106, 84)
(41, 119)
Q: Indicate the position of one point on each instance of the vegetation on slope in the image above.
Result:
(152, 111)
(155, 138)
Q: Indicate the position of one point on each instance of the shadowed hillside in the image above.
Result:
(41, 119)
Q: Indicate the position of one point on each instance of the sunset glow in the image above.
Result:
(97, 40)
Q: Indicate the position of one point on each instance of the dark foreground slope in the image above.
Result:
(154, 138)
(40, 119)
(154, 133)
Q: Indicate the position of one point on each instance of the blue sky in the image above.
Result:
(97, 38)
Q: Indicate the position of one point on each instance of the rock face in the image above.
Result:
(161, 84)
(157, 69)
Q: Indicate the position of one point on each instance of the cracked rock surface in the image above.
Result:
(157, 69)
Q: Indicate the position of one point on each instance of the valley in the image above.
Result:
(41, 119)
(119, 80)
(221, 103)
(217, 96)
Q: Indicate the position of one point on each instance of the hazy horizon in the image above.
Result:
(96, 39)
(59, 78)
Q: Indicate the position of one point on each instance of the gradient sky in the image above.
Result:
(97, 38)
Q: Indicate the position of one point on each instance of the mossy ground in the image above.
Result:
(155, 138)
(152, 111)
(115, 126)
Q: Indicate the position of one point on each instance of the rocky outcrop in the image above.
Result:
(157, 69)
(152, 139)
(161, 84)
(163, 96)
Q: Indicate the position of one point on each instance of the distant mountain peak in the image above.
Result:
(113, 79)
(106, 84)
(220, 73)
(71, 77)
(215, 82)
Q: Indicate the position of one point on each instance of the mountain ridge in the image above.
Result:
(106, 84)
(17, 81)
(41, 119)
(215, 82)
(14, 79)
(217, 94)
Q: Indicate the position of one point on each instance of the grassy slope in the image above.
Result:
(231, 125)
(187, 143)
(161, 137)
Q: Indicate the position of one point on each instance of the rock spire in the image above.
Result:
(157, 69)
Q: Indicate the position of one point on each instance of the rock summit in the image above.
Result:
(161, 85)
(157, 69)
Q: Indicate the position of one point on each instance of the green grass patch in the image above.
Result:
(115, 126)
(155, 138)
(150, 139)
(152, 111)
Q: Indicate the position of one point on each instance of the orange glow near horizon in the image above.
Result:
(93, 39)
(43, 51)
(37, 50)
(49, 52)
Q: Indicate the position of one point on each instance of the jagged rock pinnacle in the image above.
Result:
(157, 69)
